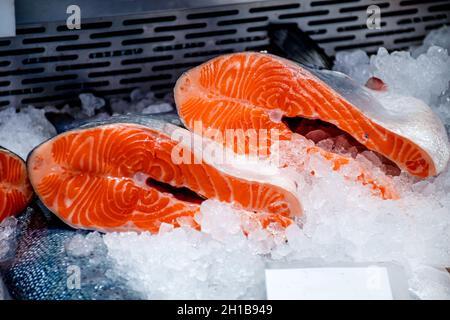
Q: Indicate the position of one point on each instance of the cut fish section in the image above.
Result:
(123, 176)
(15, 189)
(242, 90)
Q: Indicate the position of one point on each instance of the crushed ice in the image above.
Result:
(183, 263)
(21, 131)
(8, 229)
(141, 102)
(423, 73)
(90, 104)
(346, 225)
(83, 246)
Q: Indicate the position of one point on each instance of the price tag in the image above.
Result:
(326, 283)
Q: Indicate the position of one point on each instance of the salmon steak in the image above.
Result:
(15, 188)
(264, 92)
(134, 173)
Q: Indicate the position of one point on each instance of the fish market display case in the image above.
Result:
(124, 45)
(128, 44)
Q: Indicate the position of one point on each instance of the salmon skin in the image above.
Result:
(244, 90)
(15, 188)
(63, 122)
(120, 175)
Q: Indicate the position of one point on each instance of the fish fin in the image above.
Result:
(62, 122)
(288, 41)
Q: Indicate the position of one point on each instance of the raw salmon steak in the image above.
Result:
(132, 173)
(15, 189)
(261, 91)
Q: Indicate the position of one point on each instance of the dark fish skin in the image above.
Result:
(14, 154)
(288, 41)
(64, 122)
(60, 121)
(39, 267)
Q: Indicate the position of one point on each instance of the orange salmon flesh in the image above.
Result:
(15, 189)
(243, 90)
(121, 177)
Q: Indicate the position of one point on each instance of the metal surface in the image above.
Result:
(111, 55)
(7, 19)
(33, 11)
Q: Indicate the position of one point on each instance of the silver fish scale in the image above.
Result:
(113, 54)
(39, 267)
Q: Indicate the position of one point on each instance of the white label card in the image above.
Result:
(340, 283)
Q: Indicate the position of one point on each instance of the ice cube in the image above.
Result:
(219, 220)
(157, 108)
(400, 71)
(442, 108)
(372, 157)
(8, 231)
(90, 104)
(83, 246)
(137, 95)
(353, 63)
(439, 37)
(119, 106)
(341, 144)
(165, 228)
(326, 144)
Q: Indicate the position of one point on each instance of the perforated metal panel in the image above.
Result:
(48, 64)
